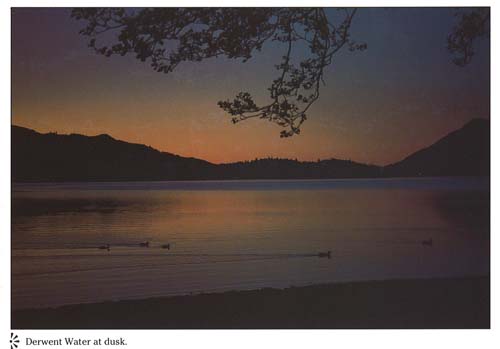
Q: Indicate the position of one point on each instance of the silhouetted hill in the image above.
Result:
(464, 152)
(289, 169)
(53, 157)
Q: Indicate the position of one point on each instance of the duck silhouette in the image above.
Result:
(104, 247)
(427, 242)
(327, 254)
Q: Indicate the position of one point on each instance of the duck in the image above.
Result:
(167, 246)
(327, 254)
(144, 244)
(104, 247)
(427, 242)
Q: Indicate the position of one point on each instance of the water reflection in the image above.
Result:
(233, 239)
(468, 211)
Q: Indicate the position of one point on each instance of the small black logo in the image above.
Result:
(14, 341)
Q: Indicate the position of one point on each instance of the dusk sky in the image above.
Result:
(379, 105)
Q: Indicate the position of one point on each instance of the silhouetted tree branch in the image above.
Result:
(472, 24)
(168, 36)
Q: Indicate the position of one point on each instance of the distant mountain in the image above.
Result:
(52, 157)
(292, 169)
(464, 152)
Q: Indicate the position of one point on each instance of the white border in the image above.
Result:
(246, 339)
(245, 3)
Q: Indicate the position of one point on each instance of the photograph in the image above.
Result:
(249, 168)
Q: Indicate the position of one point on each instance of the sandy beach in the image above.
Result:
(423, 303)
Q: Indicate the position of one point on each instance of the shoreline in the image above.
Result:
(305, 179)
(404, 303)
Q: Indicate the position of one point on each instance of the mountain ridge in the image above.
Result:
(53, 157)
(462, 152)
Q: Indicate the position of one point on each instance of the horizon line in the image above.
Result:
(248, 160)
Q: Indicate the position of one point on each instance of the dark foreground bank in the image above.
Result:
(431, 303)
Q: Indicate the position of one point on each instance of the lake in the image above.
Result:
(234, 235)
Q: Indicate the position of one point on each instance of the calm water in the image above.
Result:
(239, 235)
